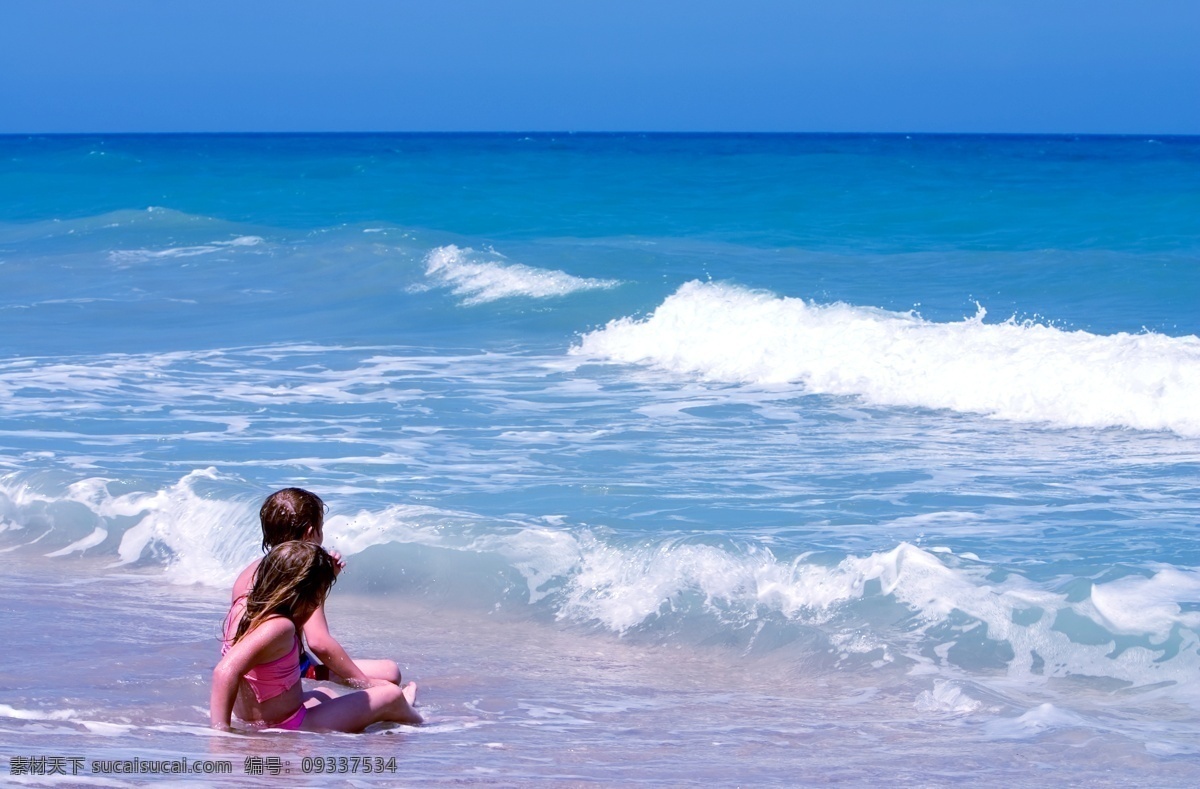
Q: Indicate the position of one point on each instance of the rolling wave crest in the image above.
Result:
(481, 278)
(1018, 371)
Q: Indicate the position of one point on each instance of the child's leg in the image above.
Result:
(355, 711)
(319, 695)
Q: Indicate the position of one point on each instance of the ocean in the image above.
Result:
(670, 459)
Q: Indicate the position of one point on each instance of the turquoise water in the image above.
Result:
(897, 431)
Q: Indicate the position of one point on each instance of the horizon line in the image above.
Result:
(598, 133)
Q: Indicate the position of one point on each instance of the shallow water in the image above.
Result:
(509, 702)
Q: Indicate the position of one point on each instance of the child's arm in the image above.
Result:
(255, 647)
(330, 652)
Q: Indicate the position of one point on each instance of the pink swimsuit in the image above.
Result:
(270, 679)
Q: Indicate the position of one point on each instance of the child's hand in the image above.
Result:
(339, 563)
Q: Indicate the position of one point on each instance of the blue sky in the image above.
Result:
(1071, 66)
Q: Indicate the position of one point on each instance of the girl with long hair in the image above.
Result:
(258, 678)
(298, 514)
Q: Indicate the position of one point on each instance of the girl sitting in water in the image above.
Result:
(258, 678)
(297, 514)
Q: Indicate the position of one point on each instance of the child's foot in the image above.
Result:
(410, 692)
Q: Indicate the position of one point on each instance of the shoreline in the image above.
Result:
(520, 702)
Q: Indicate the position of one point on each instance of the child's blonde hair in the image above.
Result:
(291, 581)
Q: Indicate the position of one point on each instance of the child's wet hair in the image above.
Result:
(291, 581)
(290, 514)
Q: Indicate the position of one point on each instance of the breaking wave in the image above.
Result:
(480, 278)
(1019, 371)
(922, 606)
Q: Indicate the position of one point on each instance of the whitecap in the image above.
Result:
(480, 278)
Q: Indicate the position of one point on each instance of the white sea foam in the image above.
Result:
(483, 277)
(189, 380)
(204, 537)
(946, 697)
(1017, 371)
(585, 577)
(1036, 721)
(127, 256)
(70, 722)
(201, 533)
(1136, 604)
(37, 715)
(153, 380)
(97, 536)
(623, 587)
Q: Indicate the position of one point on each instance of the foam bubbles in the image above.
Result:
(1040, 719)
(928, 609)
(1017, 371)
(946, 697)
(200, 533)
(97, 536)
(128, 256)
(36, 715)
(1137, 604)
(480, 278)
